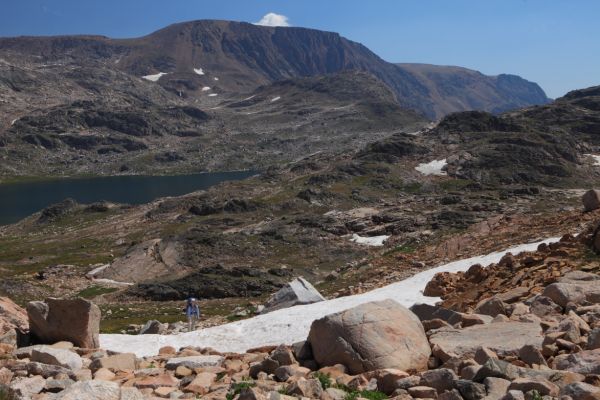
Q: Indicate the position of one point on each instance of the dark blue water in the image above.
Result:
(19, 200)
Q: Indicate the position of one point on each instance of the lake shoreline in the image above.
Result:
(19, 200)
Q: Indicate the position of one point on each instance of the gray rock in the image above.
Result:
(306, 388)
(302, 350)
(514, 395)
(581, 391)
(501, 337)
(441, 379)
(496, 388)
(371, 336)
(49, 371)
(58, 385)
(591, 200)
(422, 392)
(491, 306)
(27, 387)
(283, 356)
(153, 328)
(117, 362)
(60, 357)
(541, 385)
(450, 395)
(594, 339)
(427, 312)
(471, 390)
(92, 390)
(531, 355)
(299, 291)
(192, 362)
(542, 306)
(563, 293)
(584, 362)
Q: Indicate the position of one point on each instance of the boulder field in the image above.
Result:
(525, 328)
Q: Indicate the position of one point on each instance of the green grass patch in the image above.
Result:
(404, 249)
(94, 291)
(324, 379)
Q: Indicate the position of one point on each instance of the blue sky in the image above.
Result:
(553, 42)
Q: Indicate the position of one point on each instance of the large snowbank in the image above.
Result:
(292, 324)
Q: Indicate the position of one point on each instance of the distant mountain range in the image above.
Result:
(243, 56)
(217, 95)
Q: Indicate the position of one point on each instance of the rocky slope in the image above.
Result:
(507, 178)
(535, 336)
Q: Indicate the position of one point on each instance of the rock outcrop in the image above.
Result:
(297, 292)
(13, 322)
(76, 321)
(371, 336)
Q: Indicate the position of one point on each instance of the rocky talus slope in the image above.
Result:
(527, 327)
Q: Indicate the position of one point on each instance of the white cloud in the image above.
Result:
(272, 19)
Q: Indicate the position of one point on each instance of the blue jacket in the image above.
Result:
(191, 309)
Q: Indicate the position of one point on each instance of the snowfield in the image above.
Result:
(199, 71)
(292, 324)
(595, 157)
(370, 240)
(212, 95)
(155, 77)
(206, 88)
(274, 99)
(432, 168)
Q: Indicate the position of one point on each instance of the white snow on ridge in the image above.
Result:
(212, 95)
(199, 71)
(369, 240)
(274, 99)
(155, 77)
(215, 78)
(206, 88)
(432, 168)
(595, 157)
(291, 325)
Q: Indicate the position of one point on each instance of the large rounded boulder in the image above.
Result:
(376, 335)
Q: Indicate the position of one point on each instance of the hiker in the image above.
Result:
(193, 313)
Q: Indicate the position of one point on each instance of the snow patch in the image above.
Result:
(155, 77)
(13, 121)
(199, 71)
(212, 95)
(111, 282)
(432, 168)
(215, 78)
(249, 98)
(595, 157)
(274, 99)
(206, 88)
(292, 324)
(369, 240)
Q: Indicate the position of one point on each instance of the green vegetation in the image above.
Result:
(93, 291)
(236, 388)
(405, 249)
(367, 394)
(324, 379)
